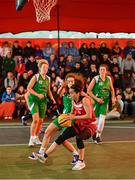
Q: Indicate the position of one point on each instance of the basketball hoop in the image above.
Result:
(43, 9)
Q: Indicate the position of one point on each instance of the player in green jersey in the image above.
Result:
(38, 90)
(99, 89)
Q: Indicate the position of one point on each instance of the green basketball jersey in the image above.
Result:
(41, 86)
(67, 102)
(102, 88)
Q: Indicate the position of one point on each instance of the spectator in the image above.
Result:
(133, 80)
(92, 50)
(116, 110)
(106, 60)
(72, 50)
(8, 63)
(1, 65)
(20, 67)
(77, 68)
(126, 80)
(93, 71)
(64, 49)
(114, 66)
(7, 107)
(127, 98)
(28, 50)
(1, 85)
(24, 80)
(85, 67)
(20, 102)
(31, 66)
(103, 49)
(116, 49)
(70, 61)
(53, 62)
(38, 52)
(83, 49)
(17, 49)
(1, 50)
(6, 48)
(128, 64)
(117, 80)
(129, 49)
(94, 60)
(133, 103)
(48, 50)
(11, 81)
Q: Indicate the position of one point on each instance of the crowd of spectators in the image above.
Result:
(18, 64)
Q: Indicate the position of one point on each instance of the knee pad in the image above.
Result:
(79, 142)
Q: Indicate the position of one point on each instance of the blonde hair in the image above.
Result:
(41, 62)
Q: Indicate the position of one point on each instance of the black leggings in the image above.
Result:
(68, 133)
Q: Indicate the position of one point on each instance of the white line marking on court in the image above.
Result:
(22, 127)
(105, 142)
(121, 127)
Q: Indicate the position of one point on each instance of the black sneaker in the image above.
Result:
(94, 137)
(24, 120)
(98, 140)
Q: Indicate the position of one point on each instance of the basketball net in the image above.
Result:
(43, 9)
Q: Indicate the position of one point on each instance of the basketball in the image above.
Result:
(63, 122)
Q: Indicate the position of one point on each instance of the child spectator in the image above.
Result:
(20, 102)
(7, 107)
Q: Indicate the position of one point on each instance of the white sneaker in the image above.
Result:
(33, 157)
(37, 141)
(79, 165)
(41, 157)
(31, 143)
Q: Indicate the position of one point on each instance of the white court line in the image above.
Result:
(121, 127)
(22, 127)
(105, 142)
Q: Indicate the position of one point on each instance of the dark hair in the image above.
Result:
(78, 86)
